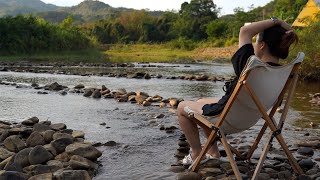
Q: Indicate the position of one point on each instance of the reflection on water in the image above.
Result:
(310, 113)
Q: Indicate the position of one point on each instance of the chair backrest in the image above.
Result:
(267, 82)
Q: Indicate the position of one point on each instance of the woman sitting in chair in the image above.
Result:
(274, 38)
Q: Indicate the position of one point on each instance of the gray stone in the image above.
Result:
(80, 163)
(60, 144)
(30, 121)
(4, 154)
(59, 135)
(4, 135)
(12, 166)
(306, 151)
(58, 126)
(71, 174)
(177, 169)
(14, 143)
(87, 93)
(306, 163)
(110, 143)
(188, 176)
(48, 135)
(205, 172)
(40, 169)
(63, 157)
(263, 176)
(39, 155)
(45, 176)
(22, 157)
(96, 94)
(13, 175)
(41, 127)
(55, 163)
(79, 86)
(5, 162)
(35, 139)
(303, 177)
(285, 175)
(83, 150)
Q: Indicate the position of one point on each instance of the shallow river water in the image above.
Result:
(142, 150)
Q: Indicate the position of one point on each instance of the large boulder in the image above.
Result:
(22, 157)
(39, 155)
(60, 144)
(14, 175)
(84, 150)
(30, 121)
(35, 139)
(80, 163)
(4, 154)
(14, 143)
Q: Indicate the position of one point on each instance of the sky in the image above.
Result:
(226, 5)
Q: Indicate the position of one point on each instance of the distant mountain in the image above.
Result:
(15, 7)
(88, 10)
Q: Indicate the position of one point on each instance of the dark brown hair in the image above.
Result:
(278, 40)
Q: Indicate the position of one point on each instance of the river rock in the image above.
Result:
(63, 157)
(87, 93)
(79, 86)
(45, 176)
(58, 126)
(188, 176)
(55, 163)
(59, 135)
(22, 157)
(39, 155)
(41, 127)
(306, 151)
(13, 175)
(96, 94)
(30, 121)
(110, 143)
(12, 166)
(55, 87)
(4, 154)
(48, 135)
(35, 139)
(177, 169)
(14, 143)
(71, 174)
(103, 88)
(306, 164)
(84, 150)
(119, 92)
(80, 163)
(60, 144)
(40, 169)
(78, 134)
(205, 172)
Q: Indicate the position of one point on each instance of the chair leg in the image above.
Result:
(204, 150)
(292, 160)
(230, 156)
(262, 157)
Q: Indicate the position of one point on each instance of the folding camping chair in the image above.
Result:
(261, 87)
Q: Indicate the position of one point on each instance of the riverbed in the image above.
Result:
(142, 150)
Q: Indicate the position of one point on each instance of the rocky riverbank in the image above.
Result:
(35, 150)
(107, 70)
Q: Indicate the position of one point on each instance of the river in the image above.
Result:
(142, 150)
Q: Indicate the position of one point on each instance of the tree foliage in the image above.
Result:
(28, 34)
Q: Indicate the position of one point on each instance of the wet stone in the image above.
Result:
(71, 174)
(177, 169)
(285, 175)
(6, 175)
(4, 154)
(22, 157)
(45, 176)
(303, 177)
(110, 143)
(306, 164)
(41, 127)
(306, 151)
(188, 176)
(30, 121)
(35, 139)
(205, 172)
(14, 143)
(58, 126)
(39, 155)
(84, 150)
(183, 143)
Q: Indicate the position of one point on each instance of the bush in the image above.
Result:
(309, 38)
(182, 43)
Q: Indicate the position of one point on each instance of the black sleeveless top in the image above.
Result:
(239, 60)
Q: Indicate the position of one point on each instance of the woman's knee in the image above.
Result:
(181, 106)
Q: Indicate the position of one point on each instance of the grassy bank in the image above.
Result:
(164, 53)
(86, 56)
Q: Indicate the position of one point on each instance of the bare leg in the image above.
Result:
(190, 128)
